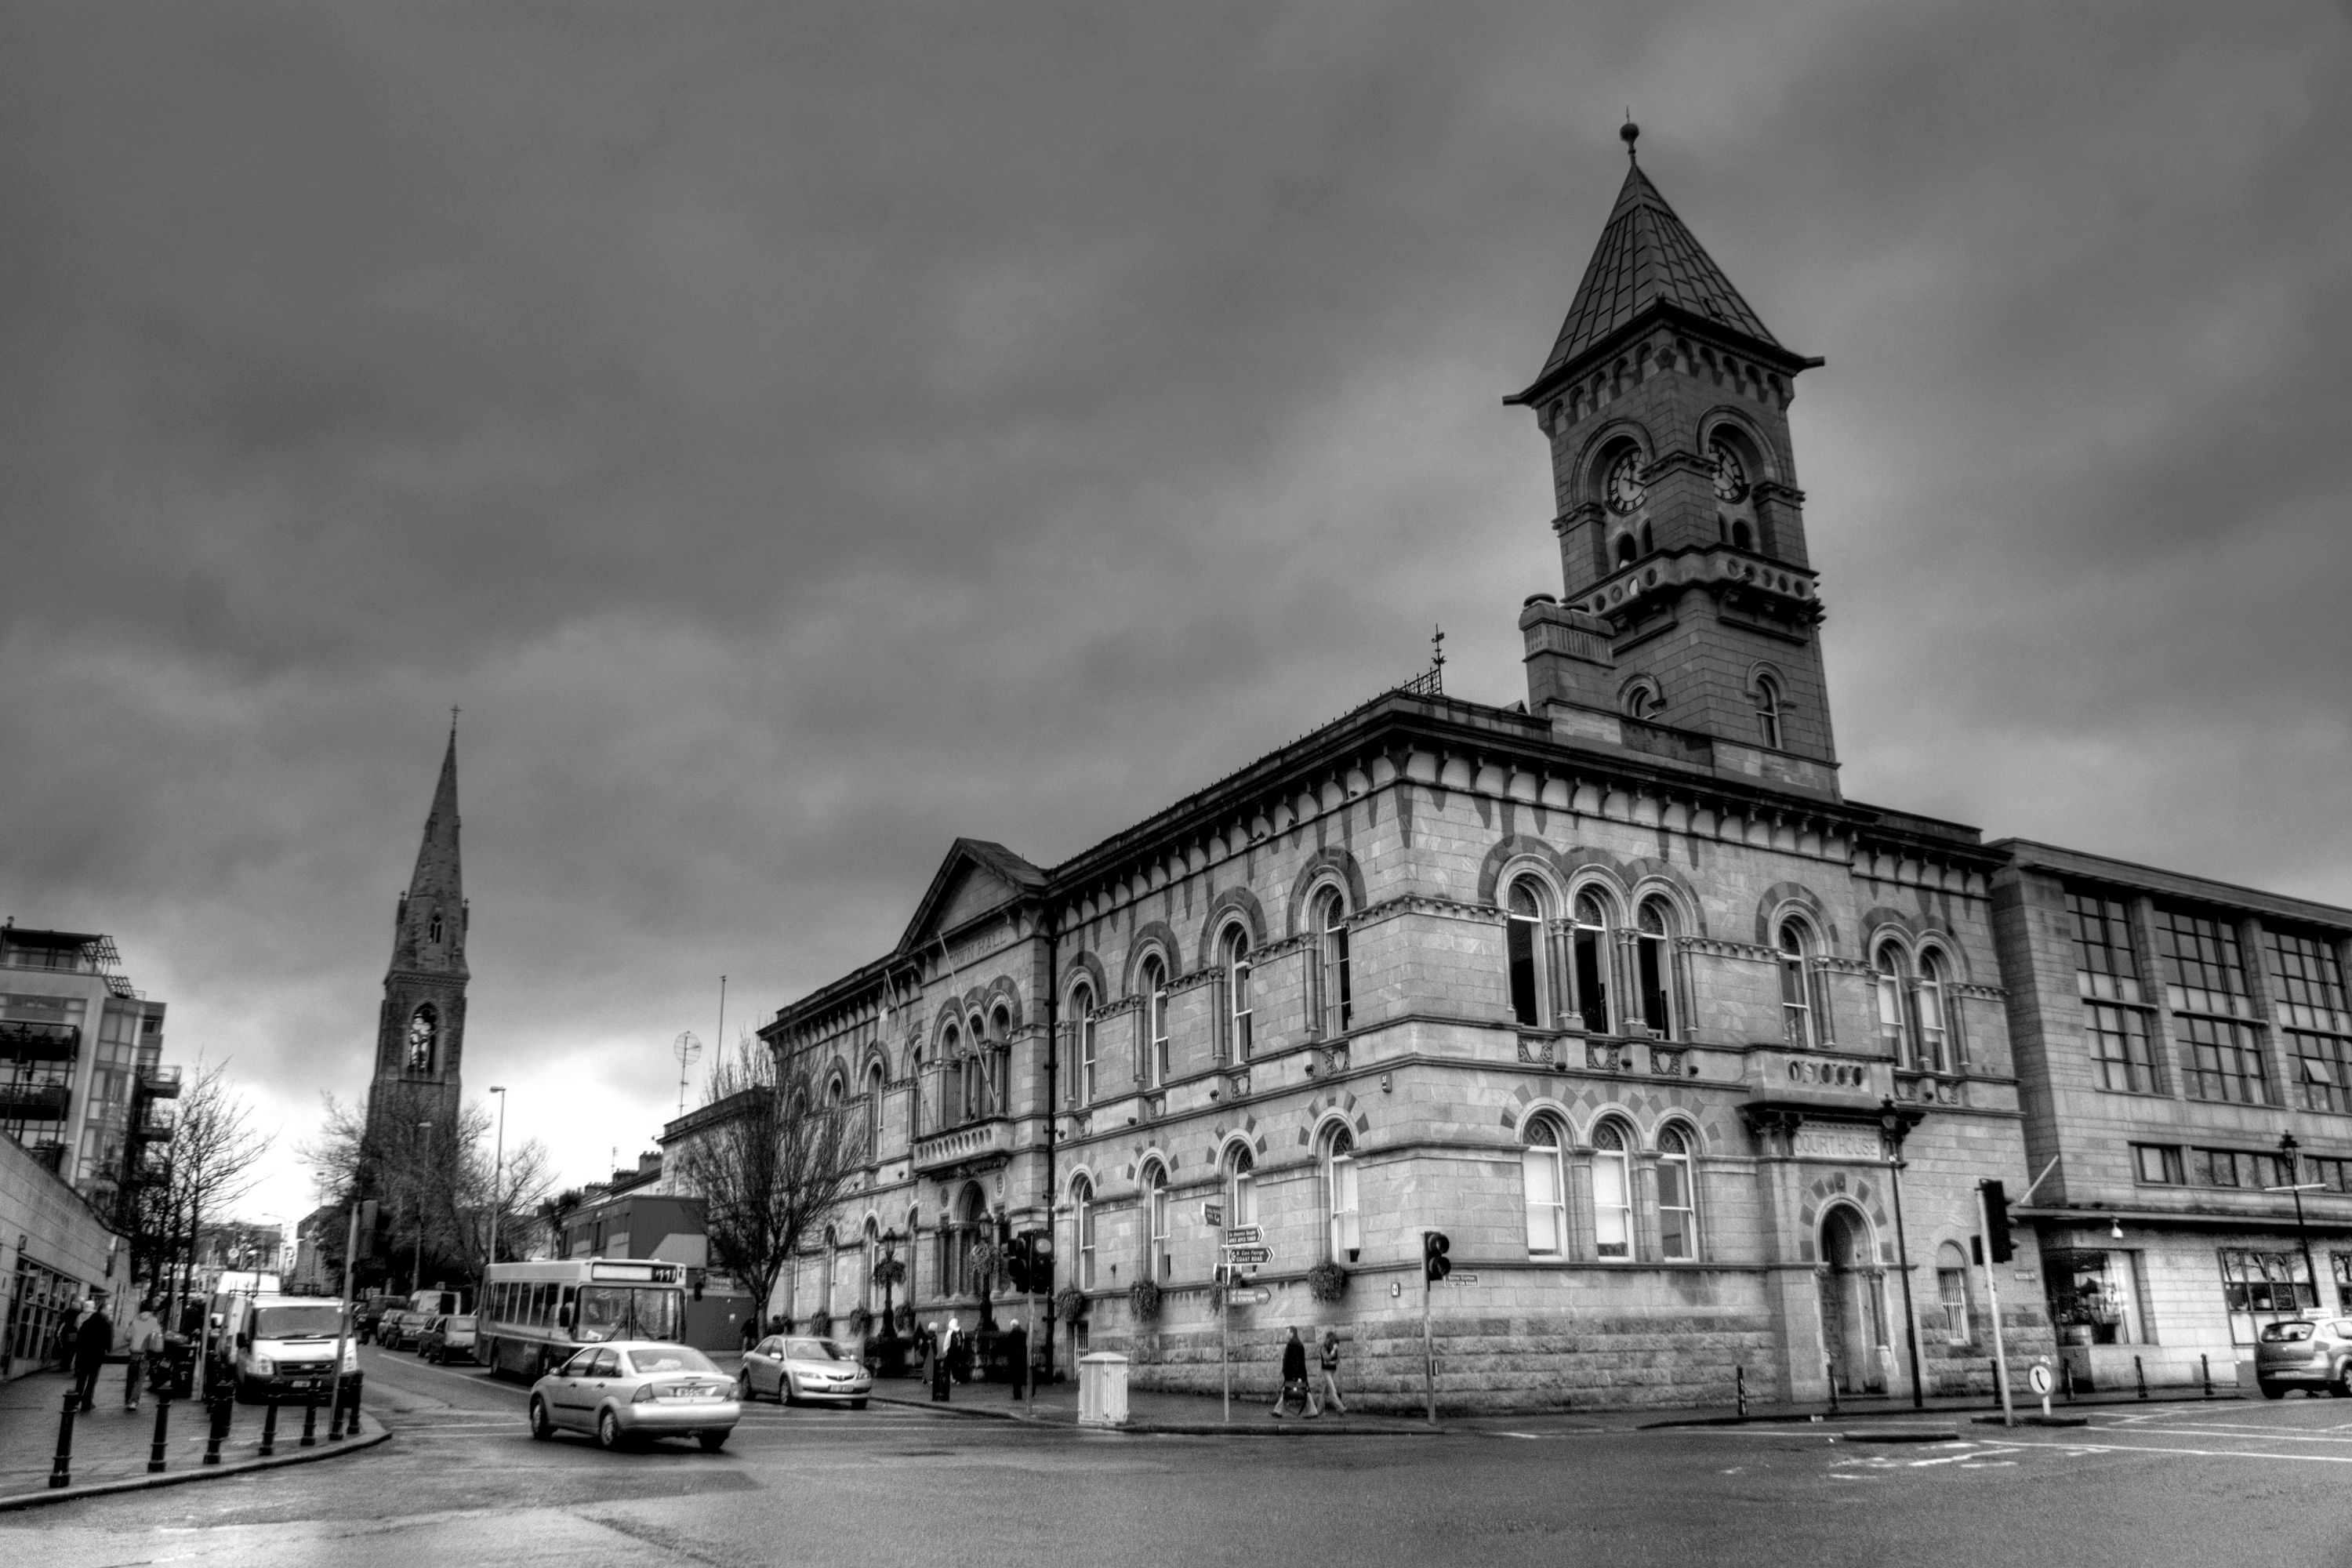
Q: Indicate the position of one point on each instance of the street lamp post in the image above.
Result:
(416, 1266)
(498, 1175)
(2288, 1149)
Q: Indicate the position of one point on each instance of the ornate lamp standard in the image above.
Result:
(1897, 1123)
(2288, 1150)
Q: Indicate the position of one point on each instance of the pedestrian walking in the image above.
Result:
(1294, 1375)
(93, 1342)
(1327, 1361)
(146, 1341)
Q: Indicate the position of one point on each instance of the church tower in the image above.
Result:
(421, 1030)
(1689, 601)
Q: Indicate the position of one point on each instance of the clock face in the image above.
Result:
(1624, 485)
(1730, 473)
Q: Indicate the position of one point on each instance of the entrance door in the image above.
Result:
(1851, 1326)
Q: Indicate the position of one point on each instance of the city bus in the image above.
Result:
(532, 1316)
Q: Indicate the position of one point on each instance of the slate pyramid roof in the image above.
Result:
(1647, 258)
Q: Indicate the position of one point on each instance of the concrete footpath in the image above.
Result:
(112, 1446)
(1153, 1411)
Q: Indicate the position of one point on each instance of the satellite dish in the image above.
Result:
(688, 1048)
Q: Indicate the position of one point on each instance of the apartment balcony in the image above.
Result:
(34, 1102)
(28, 1042)
(155, 1126)
(989, 1139)
(159, 1082)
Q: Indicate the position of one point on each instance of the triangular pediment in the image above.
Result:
(977, 876)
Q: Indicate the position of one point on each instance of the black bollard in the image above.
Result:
(218, 1409)
(2066, 1379)
(2207, 1363)
(351, 1422)
(1831, 1370)
(2140, 1373)
(61, 1468)
(270, 1430)
(310, 1422)
(162, 1445)
(1740, 1390)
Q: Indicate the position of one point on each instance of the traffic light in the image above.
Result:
(1040, 1262)
(1435, 1264)
(1996, 1208)
(1017, 1262)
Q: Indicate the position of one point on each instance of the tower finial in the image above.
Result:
(1630, 133)
(1438, 647)
(453, 720)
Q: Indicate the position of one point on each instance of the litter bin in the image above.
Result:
(1102, 1389)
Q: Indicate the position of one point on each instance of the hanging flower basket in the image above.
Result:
(1070, 1303)
(1143, 1301)
(861, 1323)
(1326, 1281)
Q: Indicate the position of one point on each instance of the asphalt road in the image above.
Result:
(462, 1484)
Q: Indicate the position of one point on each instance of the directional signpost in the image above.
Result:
(1248, 1256)
(1244, 1247)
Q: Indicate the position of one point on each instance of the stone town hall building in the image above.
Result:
(1613, 987)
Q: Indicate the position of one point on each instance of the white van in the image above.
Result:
(283, 1347)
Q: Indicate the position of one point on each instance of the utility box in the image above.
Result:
(1102, 1389)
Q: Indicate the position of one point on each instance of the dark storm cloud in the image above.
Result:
(801, 436)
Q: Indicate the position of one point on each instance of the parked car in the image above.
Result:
(799, 1368)
(406, 1320)
(629, 1390)
(368, 1315)
(2304, 1353)
(448, 1337)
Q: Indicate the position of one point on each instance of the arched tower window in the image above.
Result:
(1589, 943)
(1081, 1007)
(1768, 711)
(1082, 1222)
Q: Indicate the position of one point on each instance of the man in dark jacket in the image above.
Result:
(93, 1341)
(1294, 1375)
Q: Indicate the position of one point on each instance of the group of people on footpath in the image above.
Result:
(1312, 1397)
(86, 1340)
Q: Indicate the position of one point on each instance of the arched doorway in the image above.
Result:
(1854, 1313)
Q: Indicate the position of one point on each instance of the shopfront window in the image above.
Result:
(2094, 1298)
(2260, 1288)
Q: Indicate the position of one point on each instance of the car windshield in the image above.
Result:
(305, 1322)
(814, 1350)
(2274, 1333)
(669, 1358)
(621, 1313)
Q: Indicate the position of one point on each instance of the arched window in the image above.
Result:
(1952, 1292)
(1889, 972)
(1241, 1187)
(1654, 968)
(1640, 701)
(1158, 1263)
(1341, 1228)
(1797, 1023)
(1678, 1199)
(1742, 538)
(424, 1036)
(1335, 1002)
(1612, 1193)
(1768, 710)
(1589, 942)
(1234, 955)
(914, 1096)
(874, 1111)
(1082, 1224)
(1082, 1036)
(837, 1090)
(1528, 940)
(1625, 551)
(951, 1077)
(1934, 1046)
(1155, 1022)
(1000, 1062)
(958, 1240)
(433, 932)
(1649, 540)
(975, 1073)
(1547, 1205)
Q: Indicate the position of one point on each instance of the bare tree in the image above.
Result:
(210, 1158)
(769, 1163)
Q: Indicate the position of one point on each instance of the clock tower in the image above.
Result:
(1690, 603)
(421, 1028)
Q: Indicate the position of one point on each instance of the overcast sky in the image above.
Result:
(797, 436)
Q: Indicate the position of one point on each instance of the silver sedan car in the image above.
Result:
(799, 1368)
(627, 1390)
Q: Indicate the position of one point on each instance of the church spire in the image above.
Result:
(436, 874)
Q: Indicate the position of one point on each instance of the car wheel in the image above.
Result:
(608, 1430)
(744, 1393)
(540, 1427)
(2341, 1386)
(2270, 1390)
(713, 1441)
